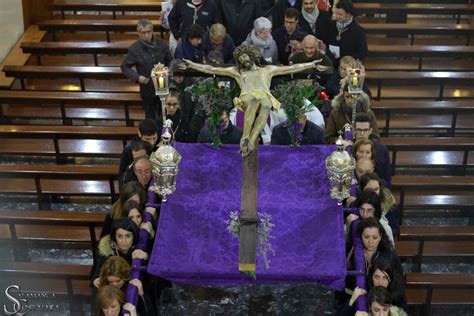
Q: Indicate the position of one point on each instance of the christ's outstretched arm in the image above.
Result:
(211, 70)
(284, 70)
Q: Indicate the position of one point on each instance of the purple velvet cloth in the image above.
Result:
(193, 245)
(359, 263)
(131, 295)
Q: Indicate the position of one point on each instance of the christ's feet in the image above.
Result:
(246, 146)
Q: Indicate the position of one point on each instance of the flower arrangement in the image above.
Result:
(292, 96)
(218, 98)
(264, 234)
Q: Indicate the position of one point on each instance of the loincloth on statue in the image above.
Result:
(259, 95)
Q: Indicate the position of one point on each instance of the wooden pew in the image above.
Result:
(422, 233)
(117, 6)
(54, 72)
(98, 48)
(419, 78)
(415, 107)
(433, 249)
(415, 51)
(413, 29)
(46, 181)
(420, 241)
(102, 48)
(63, 48)
(440, 289)
(16, 57)
(419, 148)
(64, 141)
(107, 26)
(416, 8)
(69, 283)
(68, 105)
(20, 227)
(374, 77)
(433, 192)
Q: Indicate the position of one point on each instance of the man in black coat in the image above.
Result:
(283, 33)
(188, 12)
(346, 36)
(144, 54)
(279, 9)
(312, 134)
(238, 17)
(314, 21)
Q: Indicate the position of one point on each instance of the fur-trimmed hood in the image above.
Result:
(106, 247)
(338, 103)
(397, 311)
(388, 202)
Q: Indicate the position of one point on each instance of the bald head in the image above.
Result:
(142, 169)
(310, 46)
(364, 166)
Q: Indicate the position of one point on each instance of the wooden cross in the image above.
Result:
(248, 215)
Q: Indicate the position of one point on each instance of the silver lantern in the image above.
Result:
(340, 166)
(165, 162)
(160, 77)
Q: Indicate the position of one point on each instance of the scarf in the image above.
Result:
(196, 8)
(311, 18)
(152, 49)
(151, 45)
(260, 43)
(342, 25)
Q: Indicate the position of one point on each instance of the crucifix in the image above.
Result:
(256, 101)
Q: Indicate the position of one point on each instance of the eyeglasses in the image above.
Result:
(362, 130)
(172, 105)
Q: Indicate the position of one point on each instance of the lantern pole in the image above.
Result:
(160, 77)
(355, 81)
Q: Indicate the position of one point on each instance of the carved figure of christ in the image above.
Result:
(256, 101)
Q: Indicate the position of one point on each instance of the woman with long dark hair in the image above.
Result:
(372, 182)
(376, 248)
(369, 206)
(382, 274)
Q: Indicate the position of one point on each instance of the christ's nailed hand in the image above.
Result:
(184, 65)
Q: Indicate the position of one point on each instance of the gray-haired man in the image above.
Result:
(147, 51)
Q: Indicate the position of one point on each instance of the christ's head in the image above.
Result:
(246, 56)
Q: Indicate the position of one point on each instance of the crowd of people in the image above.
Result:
(286, 32)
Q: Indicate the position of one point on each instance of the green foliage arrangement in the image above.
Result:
(219, 96)
(291, 96)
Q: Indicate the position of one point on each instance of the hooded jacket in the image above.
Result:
(341, 114)
(105, 249)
